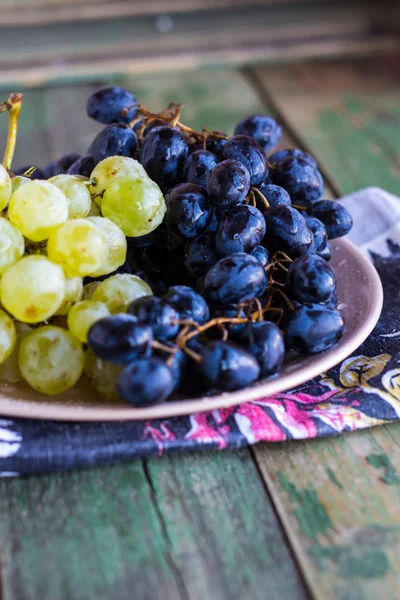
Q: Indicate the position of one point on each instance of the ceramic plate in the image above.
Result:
(360, 295)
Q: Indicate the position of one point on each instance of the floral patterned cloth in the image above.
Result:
(361, 392)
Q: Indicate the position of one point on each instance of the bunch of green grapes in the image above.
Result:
(53, 234)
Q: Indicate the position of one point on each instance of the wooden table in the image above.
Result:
(316, 519)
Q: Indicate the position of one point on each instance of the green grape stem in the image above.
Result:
(13, 105)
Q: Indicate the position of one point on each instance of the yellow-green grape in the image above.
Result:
(32, 289)
(9, 369)
(112, 168)
(118, 291)
(5, 187)
(17, 181)
(116, 242)
(103, 375)
(94, 211)
(50, 359)
(37, 208)
(73, 293)
(82, 316)
(12, 244)
(88, 289)
(8, 336)
(78, 246)
(77, 193)
(136, 205)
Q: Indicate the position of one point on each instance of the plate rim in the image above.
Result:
(263, 388)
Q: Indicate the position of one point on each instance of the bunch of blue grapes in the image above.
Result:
(238, 266)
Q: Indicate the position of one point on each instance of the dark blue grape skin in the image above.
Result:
(265, 130)
(177, 362)
(247, 151)
(188, 303)
(265, 342)
(188, 210)
(153, 278)
(37, 174)
(200, 255)
(300, 179)
(326, 253)
(114, 140)
(320, 237)
(163, 153)
(120, 339)
(241, 230)
(336, 218)
(61, 165)
(235, 279)
(106, 104)
(261, 254)
(146, 382)
(311, 279)
(280, 155)
(198, 165)
(230, 312)
(213, 224)
(275, 195)
(287, 230)
(228, 184)
(227, 367)
(313, 328)
(156, 313)
(83, 166)
(215, 143)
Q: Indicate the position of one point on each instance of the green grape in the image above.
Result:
(103, 375)
(94, 211)
(37, 208)
(116, 242)
(8, 336)
(78, 246)
(88, 289)
(73, 293)
(77, 193)
(112, 168)
(12, 245)
(9, 369)
(118, 291)
(17, 181)
(136, 205)
(5, 187)
(82, 316)
(50, 359)
(32, 289)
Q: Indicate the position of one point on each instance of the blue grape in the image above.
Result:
(213, 224)
(287, 230)
(247, 151)
(215, 143)
(336, 218)
(120, 339)
(146, 382)
(241, 230)
(235, 279)
(311, 279)
(178, 363)
(230, 312)
(82, 166)
(106, 105)
(261, 254)
(227, 367)
(114, 140)
(326, 253)
(200, 255)
(160, 316)
(228, 183)
(300, 179)
(61, 165)
(198, 165)
(265, 342)
(320, 237)
(188, 303)
(37, 174)
(313, 328)
(163, 154)
(280, 155)
(275, 195)
(265, 130)
(188, 210)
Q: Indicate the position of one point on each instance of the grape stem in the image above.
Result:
(13, 105)
(261, 196)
